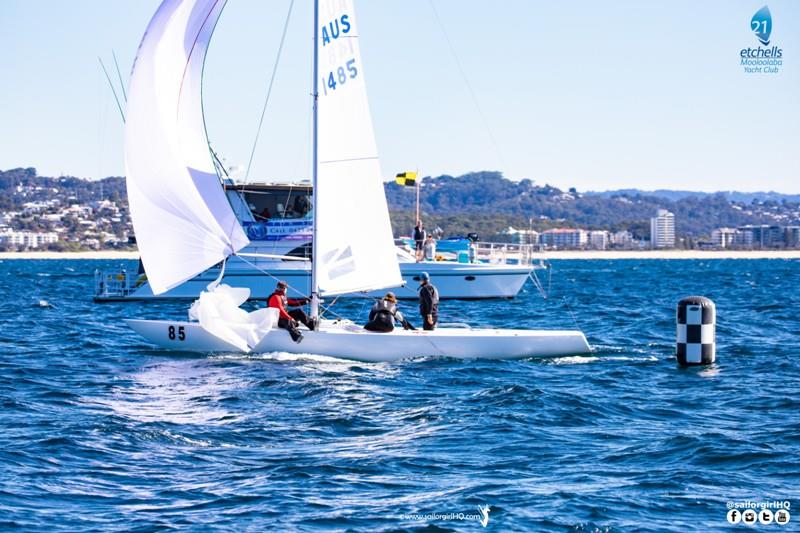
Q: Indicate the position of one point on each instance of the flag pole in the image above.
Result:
(416, 186)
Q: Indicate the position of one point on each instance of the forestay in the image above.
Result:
(182, 219)
(355, 248)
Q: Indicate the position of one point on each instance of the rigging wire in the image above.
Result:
(469, 86)
(113, 90)
(571, 313)
(119, 75)
(564, 300)
(237, 209)
(325, 309)
(269, 90)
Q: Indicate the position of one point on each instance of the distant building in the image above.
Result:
(662, 230)
(762, 236)
(27, 239)
(523, 236)
(564, 238)
(775, 237)
(598, 239)
(792, 236)
(744, 237)
(724, 237)
(621, 239)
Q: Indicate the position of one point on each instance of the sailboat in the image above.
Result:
(184, 223)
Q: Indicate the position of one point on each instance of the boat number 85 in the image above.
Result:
(181, 333)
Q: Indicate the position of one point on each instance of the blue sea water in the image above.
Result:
(98, 431)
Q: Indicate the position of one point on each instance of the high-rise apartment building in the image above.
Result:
(662, 230)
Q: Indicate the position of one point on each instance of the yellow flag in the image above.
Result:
(407, 179)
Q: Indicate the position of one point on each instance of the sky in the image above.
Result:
(586, 94)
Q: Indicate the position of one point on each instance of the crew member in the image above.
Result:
(419, 239)
(384, 313)
(428, 302)
(430, 248)
(301, 205)
(288, 320)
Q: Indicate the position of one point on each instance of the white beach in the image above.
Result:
(565, 254)
(675, 254)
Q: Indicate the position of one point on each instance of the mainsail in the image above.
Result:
(355, 248)
(182, 219)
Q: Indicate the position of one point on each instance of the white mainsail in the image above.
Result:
(182, 219)
(354, 245)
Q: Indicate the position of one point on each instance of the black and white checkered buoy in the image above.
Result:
(697, 317)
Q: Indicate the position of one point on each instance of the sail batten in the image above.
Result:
(182, 219)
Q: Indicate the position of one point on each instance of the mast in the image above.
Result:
(314, 165)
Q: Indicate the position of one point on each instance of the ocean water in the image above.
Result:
(98, 431)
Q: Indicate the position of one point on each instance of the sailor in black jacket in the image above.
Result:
(428, 302)
(384, 313)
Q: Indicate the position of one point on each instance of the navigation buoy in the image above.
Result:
(696, 344)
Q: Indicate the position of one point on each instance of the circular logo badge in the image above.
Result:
(765, 516)
(734, 516)
(782, 516)
(749, 517)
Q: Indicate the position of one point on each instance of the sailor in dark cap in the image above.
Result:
(428, 302)
(288, 320)
(384, 313)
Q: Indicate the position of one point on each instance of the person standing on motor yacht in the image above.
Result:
(428, 302)
(430, 248)
(419, 239)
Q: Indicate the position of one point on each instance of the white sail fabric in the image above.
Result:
(218, 312)
(182, 219)
(355, 246)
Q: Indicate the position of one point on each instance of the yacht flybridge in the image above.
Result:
(185, 223)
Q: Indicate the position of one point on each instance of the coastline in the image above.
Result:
(565, 254)
(104, 254)
(674, 254)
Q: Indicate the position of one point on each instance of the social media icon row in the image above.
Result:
(764, 516)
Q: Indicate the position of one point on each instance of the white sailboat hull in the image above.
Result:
(345, 340)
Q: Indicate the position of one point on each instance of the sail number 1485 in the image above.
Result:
(339, 76)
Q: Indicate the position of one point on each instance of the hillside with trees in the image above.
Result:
(487, 202)
(482, 202)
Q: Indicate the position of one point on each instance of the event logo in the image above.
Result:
(761, 24)
(485, 510)
(761, 60)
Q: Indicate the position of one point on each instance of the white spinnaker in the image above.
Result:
(182, 219)
(355, 246)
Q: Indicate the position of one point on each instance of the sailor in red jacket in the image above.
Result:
(288, 320)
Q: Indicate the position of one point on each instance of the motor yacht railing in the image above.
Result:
(113, 284)
(505, 253)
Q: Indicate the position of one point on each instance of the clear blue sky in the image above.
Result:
(596, 95)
